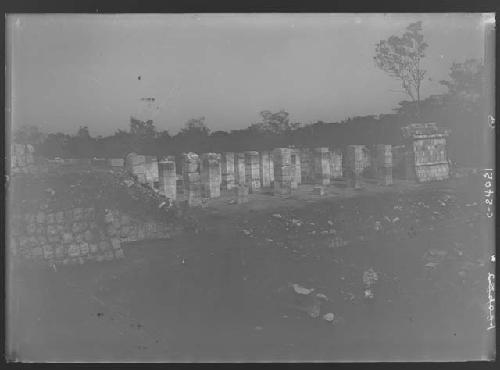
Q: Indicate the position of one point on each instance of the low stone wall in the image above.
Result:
(78, 235)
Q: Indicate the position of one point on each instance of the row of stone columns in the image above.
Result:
(283, 169)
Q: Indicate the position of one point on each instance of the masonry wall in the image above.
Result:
(78, 235)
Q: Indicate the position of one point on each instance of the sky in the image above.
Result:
(71, 70)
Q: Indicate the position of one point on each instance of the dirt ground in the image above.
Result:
(225, 291)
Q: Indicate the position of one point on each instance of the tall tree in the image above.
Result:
(401, 56)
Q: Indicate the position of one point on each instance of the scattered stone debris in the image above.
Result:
(434, 257)
(301, 290)
(322, 296)
(471, 204)
(329, 317)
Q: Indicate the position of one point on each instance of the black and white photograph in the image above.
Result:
(249, 187)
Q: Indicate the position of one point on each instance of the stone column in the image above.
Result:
(168, 179)
(355, 164)
(295, 168)
(239, 168)
(409, 153)
(282, 171)
(252, 171)
(383, 163)
(136, 165)
(271, 167)
(322, 166)
(227, 171)
(151, 169)
(210, 175)
(306, 166)
(265, 169)
(192, 179)
(335, 164)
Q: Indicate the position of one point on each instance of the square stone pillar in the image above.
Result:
(265, 169)
(239, 168)
(335, 164)
(321, 166)
(192, 178)
(252, 171)
(382, 163)
(151, 167)
(168, 179)
(354, 162)
(295, 168)
(282, 171)
(271, 167)
(306, 166)
(227, 171)
(409, 153)
(210, 175)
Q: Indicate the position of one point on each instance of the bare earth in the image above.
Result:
(223, 293)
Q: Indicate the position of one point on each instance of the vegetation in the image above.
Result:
(458, 109)
(400, 57)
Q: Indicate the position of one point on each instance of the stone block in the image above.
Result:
(109, 255)
(252, 171)
(77, 214)
(239, 169)
(318, 190)
(210, 175)
(336, 164)
(48, 252)
(40, 217)
(51, 218)
(84, 249)
(168, 179)
(321, 166)
(295, 168)
(59, 251)
(74, 250)
(265, 169)
(227, 171)
(93, 248)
